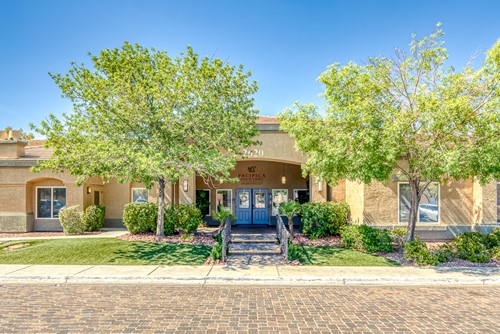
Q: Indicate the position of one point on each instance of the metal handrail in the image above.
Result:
(226, 238)
(283, 236)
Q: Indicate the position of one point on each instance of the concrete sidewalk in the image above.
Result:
(254, 275)
(105, 233)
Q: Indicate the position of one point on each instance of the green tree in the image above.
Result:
(143, 116)
(409, 114)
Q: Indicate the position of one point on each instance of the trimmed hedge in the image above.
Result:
(324, 219)
(366, 238)
(140, 217)
(93, 217)
(189, 217)
(143, 217)
(71, 220)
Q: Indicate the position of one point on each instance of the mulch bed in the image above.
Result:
(301, 239)
(397, 255)
(40, 234)
(198, 238)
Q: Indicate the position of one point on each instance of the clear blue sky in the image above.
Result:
(286, 44)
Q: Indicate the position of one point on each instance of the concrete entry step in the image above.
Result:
(233, 240)
(255, 252)
(253, 237)
(254, 246)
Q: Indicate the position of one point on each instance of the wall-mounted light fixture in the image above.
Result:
(89, 190)
(283, 177)
(320, 186)
(185, 185)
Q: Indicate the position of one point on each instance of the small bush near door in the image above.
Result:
(186, 217)
(324, 219)
(93, 217)
(71, 220)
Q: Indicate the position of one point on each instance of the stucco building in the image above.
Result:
(268, 173)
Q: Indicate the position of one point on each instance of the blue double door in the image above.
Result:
(252, 206)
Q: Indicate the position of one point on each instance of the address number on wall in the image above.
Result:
(255, 153)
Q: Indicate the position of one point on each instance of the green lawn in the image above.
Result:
(103, 251)
(334, 256)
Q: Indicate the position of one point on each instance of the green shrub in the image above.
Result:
(216, 252)
(93, 217)
(324, 219)
(472, 246)
(493, 239)
(170, 220)
(189, 217)
(294, 252)
(445, 253)
(418, 252)
(366, 238)
(495, 253)
(140, 217)
(398, 236)
(71, 220)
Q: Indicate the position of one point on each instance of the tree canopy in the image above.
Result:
(141, 115)
(406, 114)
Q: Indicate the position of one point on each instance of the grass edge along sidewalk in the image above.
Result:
(86, 251)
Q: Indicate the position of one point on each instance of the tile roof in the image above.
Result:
(36, 152)
(267, 120)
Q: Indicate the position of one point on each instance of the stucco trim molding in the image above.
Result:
(19, 163)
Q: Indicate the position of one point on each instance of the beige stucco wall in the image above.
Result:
(12, 148)
(17, 197)
(380, 205)
(486, 202)
(276, 146)
(354, 197)
(337, 192)
(318, 194)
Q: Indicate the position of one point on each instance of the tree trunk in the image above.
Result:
(290, 225)
(160, 226)
(414, 204)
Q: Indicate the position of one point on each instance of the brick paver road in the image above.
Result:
(248, 309)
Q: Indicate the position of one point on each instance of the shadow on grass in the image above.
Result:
(164, 253)
(335, 256)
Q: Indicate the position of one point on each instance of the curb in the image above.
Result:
(249, 280)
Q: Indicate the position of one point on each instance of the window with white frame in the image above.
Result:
(224, 199)
(139, 195)
(49, 201)
(428, 211)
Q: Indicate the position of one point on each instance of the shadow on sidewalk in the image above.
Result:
(471, 271)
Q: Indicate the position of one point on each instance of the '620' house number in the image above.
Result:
(255, 153)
